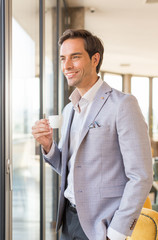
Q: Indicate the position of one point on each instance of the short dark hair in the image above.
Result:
(92, 43)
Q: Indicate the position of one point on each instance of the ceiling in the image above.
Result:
(129, 31)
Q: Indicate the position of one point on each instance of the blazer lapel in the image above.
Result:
(98, 102)
(66, 134)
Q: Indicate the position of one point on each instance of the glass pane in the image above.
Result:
(25, 111)
(155, 109)
(140, 89)
(49, 77)
(51, 97)
(114, 80)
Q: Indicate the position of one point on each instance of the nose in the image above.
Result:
(67, 64)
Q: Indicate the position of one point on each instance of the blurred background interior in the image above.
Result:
(32, 86)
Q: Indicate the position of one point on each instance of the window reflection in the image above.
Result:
(140, 89)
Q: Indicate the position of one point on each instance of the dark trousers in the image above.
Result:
(71, 229)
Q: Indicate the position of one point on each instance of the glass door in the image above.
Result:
(33, 88)
(25, 111)
(51, 98)
(53, 105)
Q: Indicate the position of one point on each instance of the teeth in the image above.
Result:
(70, 74)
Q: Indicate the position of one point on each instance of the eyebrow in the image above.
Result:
(76, 53)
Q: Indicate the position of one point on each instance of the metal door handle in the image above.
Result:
(9, 172)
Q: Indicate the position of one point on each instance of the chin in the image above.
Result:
(71, 83)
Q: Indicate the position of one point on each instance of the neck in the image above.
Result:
(83, 90)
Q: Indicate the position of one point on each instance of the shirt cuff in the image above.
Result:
(115, 235)
(50, 153)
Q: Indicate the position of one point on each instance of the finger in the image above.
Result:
(44, 121)
(38, 135)
(40, 131)
(40, 126)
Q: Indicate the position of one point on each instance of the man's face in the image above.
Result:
(76, 64)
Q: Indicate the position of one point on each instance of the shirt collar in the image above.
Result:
(90, 94)
(75, 97)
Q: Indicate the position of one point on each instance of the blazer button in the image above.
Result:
(79, 191)
(78, 166)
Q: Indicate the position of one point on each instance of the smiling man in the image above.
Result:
(77, 66)
(104, 156)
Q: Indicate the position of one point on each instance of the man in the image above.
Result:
(104, 154)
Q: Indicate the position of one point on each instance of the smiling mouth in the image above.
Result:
(71, 74)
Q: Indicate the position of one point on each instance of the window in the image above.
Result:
(25, 111)
(114, 80)
(155, 109)
(140, 89)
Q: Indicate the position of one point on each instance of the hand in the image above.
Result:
(43, 134)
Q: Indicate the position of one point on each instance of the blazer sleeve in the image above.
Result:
(136, 153)
(54, 158)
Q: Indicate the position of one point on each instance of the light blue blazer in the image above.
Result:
(113, 167)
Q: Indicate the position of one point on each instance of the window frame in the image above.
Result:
(2, 120)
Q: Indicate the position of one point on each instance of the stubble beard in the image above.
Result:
(73, 82)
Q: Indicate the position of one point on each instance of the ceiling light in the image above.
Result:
(125, 65)
(151, 1)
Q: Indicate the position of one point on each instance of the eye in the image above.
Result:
(75, 57)
(62, 59)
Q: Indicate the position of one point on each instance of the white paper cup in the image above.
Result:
(55, 121)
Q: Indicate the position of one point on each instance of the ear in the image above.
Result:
(96, 58)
